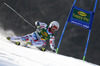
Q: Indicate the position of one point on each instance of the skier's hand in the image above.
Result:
(38, 29)
(37, 23)
(54, 50)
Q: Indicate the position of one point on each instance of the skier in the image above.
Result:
(39, 37)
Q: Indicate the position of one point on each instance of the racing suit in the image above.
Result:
(39, 37)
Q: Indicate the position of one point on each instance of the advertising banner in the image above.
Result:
(81, 17)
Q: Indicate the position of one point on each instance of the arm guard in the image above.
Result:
(37, 23)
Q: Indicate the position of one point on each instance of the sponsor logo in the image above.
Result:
(45, 35)
(82, 13)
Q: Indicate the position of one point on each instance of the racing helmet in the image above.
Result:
(54, 24)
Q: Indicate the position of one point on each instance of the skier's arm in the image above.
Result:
(52, 44)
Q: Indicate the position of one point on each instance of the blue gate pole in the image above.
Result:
(61, 37)
(64, 30)
(95, 6)
(86, 45)
(89, 32)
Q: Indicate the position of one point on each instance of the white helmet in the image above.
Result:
(54, 23)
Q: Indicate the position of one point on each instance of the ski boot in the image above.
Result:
(8, 38)
(42, 49)
(17, 43)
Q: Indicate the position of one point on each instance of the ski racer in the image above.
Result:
(39, 37)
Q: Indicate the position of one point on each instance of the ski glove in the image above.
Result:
(38, 26)
(53, 49)
(38, 29)
(37, 23)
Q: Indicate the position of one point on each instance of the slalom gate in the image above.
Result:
(81, 18)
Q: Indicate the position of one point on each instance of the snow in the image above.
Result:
(13, 55)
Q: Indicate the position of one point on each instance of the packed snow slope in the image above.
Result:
(13, 55)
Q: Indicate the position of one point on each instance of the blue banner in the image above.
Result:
(81, 17)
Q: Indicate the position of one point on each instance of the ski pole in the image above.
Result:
(19, 14)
